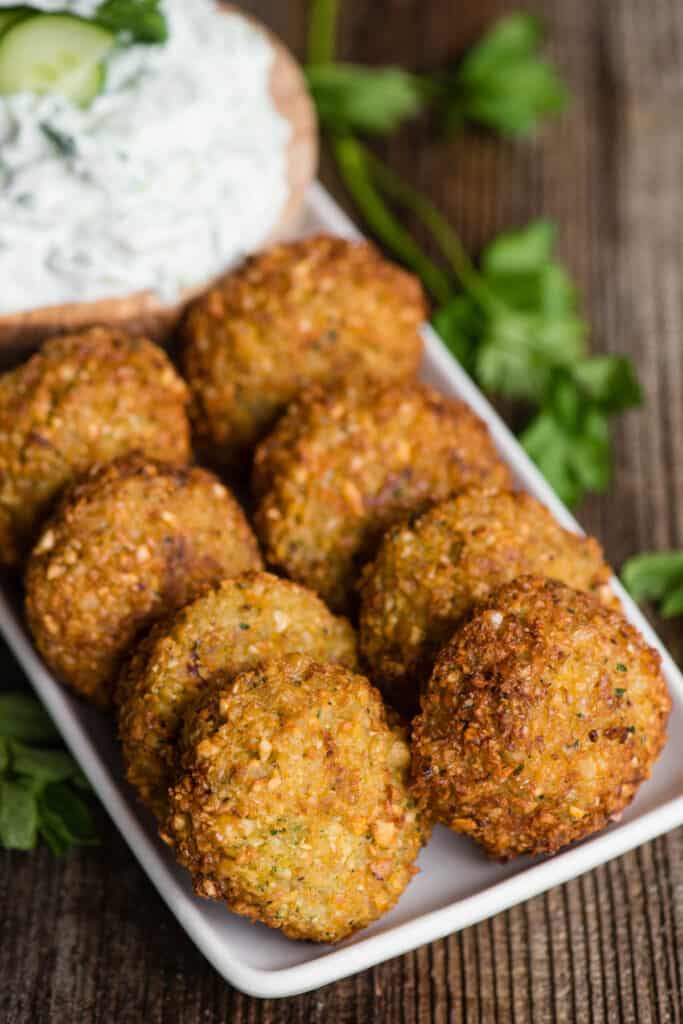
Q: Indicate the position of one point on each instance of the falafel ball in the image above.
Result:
(299, 313)
(84, 398)
(293, 804)
(227, 630)
(341, 466)
(429, 573)
(130, 543)
(543, 715)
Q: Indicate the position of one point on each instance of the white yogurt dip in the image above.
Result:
(171, 175)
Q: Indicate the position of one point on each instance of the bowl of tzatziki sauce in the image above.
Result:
(131, 203)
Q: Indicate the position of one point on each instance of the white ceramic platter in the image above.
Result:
(457, 885)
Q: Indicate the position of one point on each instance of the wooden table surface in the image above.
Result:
(87, 939)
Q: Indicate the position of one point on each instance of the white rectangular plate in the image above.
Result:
(457, 885)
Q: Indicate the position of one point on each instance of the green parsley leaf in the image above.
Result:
(64, 818)
(569, 442)
(350, 97)
(502, 83)
(527, 249)
(18, 814)
(141, 20)
(554, 452)
(518, 353)
(39, 786)
(42, 765)
(533, 325)
(23, 718)
(518, 330)
(610, 381)
(460, 323)
(656, 576)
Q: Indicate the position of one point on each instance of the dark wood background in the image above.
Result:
(88, 940)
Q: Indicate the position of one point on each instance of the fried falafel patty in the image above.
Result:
(542, 717)
(429, 573)
(341, 466)
(293, 804)
(228, 630)
(84, 398)
(299, 313)
(131, 542)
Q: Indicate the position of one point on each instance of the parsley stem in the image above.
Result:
(322, 31)
(443, 234)
(355, 170)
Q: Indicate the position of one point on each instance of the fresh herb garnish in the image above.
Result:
(619, 691)
(349, 97)
(140, 20)
(513, 321)
(502, 83)
(517, 328)
(63, 143)
(656, 576)
(39, 784)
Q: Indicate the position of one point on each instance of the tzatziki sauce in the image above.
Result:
(174, 172)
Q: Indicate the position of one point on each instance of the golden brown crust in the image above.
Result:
(429, 573)
(133, 541)
(293, 805)
(541, 719)
(84, 398)
(306, 312)
(229, 629)
(342, 466)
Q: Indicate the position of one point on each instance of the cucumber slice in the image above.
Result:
(54, 53)
(8, 15)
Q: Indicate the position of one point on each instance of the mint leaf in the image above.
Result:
(22, 717)
(18, 814)
(353, 98)
(656, 576)
(141, 20)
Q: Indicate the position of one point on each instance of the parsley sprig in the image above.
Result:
(656, 576)
(41, 786)
(503, 84)
(514, 320)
